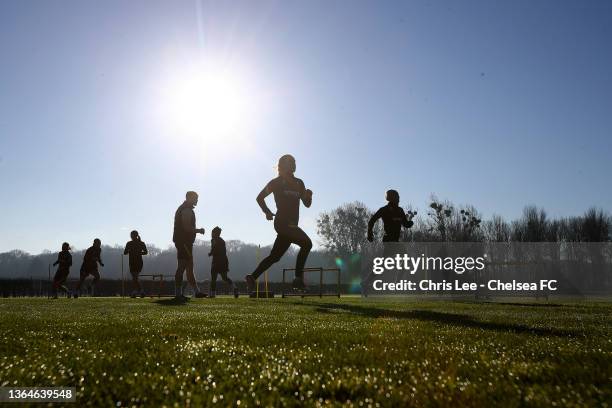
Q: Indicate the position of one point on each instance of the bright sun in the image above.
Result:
(206, 104)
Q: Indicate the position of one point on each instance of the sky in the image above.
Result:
(110, 111)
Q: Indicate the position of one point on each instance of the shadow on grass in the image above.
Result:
(451, 319)
(526, 304)
(172, 302)
(522, 304)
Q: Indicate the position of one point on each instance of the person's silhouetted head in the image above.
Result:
(216, 232)
(392, 196)
(134, 235)
(286, 165)
(192, 198)
(97, 243)
(65, 246)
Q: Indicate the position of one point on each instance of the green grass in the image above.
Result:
(315, 352)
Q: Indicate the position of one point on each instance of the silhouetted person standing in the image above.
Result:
(64, 262)
(288, 192)
(135, 249)
(220, 263)
(184, 236)
(90, 266)
(393, 217)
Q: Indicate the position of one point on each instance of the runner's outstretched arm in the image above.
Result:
(307, 197)
(405, 221)
(371, 223)
(261, 200)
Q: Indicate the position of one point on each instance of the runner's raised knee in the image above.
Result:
(307, 244)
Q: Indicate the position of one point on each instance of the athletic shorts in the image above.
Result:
(184, 251)
(136, 267)
(61, 275)
(93, 272)
(219, 265)
(287, 235)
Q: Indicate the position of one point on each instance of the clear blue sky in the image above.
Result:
(496, 104)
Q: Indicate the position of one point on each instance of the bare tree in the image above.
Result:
(445, 223)
(343, 231)
(533, 226)
(496, 229)
(596, 225)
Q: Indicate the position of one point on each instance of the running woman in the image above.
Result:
(64, 260)
(393, 217)
(184, 236)
(135, 249)
(220, 263)
(288, 192)
(90, 266)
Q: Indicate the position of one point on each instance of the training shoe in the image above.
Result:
(199, 295)
(250, 281)
(298, 284)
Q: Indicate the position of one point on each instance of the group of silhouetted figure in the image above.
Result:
(288, 192)
(135, 249)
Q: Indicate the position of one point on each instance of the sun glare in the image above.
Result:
(206, 104)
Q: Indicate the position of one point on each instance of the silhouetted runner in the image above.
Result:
(184, 236)
(64, 260)
(288, 191)
(91, 259)
(135, 249)
(220, 263)
(393, 217)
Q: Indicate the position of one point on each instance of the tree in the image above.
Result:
(596, 225)
(344, 230)
(445, 223)
(496, 230)
(533, 226)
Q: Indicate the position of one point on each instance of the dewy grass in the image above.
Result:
(353, 352)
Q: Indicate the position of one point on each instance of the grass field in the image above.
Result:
(125, 352)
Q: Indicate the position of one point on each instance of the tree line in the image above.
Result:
(342, 233)
(18, 264)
